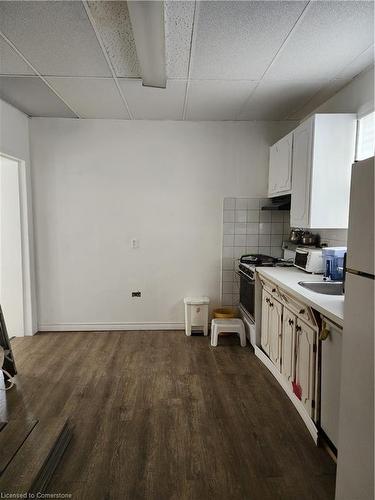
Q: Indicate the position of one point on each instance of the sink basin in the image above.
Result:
(326, 287)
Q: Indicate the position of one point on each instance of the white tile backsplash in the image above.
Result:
(264, 240)
(228, 276)
(253, 216)
(265, 228)
(253, 203)
(277, 216)
(228, 240)
(240, 228)
(252, 228)
(229, 215)
(252, 240)
(240, 216)
(229, 203)
(277, 228)
(241, 203)
(228, 252)
(240, 240)
(228, 228)
(248, 229)
(265, 216)
(276, 240)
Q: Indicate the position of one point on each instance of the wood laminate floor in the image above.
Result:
(159, 415)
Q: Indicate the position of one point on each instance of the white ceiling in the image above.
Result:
(226, 60)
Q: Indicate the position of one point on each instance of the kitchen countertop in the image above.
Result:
(331, 306)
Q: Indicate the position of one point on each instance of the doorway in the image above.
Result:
(14, 263)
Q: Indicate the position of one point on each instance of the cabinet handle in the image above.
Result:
(274, 290)
(271, 304)
(267, 300)
(302, 311)
(298, 328)
(291, 322)
(324, 333)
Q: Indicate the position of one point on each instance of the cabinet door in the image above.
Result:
(264, 333)
(288, 345)
(280, 166)
(274, 331)
(305, 365)
(301, 183)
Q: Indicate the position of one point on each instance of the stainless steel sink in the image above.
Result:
(326, 287)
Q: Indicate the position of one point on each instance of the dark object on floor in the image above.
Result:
(9, 364)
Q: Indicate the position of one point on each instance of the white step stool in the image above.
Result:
(196, 314)
(233, 325)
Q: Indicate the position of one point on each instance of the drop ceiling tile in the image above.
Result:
(147, 103)
(178, 18)
(277, 100)
(32, 96)
(56, 37)
(217, 100)
(330, 36)
(237, 40)
(91, 97)
(113, 24)
(11, 63)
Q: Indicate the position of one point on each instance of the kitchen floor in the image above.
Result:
(159, 415)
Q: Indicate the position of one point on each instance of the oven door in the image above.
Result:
(247, 293)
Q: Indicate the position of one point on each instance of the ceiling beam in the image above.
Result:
(147, 20)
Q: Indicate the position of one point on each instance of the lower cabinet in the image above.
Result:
(288, 351)
(290, 343)
(305, 365)
(271, 327)
(264, 336)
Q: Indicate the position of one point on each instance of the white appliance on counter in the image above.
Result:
(309, 259)
(355, 465)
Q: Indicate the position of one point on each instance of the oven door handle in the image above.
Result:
(241, 274)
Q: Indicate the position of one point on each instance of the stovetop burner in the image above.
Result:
(258, 259)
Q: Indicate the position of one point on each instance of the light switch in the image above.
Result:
(134, 243)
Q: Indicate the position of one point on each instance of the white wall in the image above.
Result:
(11, 280)
(99, 183)
(356, 97)
(14, 141)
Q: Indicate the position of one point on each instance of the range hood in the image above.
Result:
(278, 203)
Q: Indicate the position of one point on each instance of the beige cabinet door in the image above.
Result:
(288, 345)
(280, 166)
(274, 331)
(264, 332)
(305, 365)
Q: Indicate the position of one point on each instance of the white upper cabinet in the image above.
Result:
(323, 153)
(280, 167)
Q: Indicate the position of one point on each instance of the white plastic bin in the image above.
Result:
(196, 314)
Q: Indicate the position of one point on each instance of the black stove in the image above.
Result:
(258, 259)
(246, 271)
(249, 262)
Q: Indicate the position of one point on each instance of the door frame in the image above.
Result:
(27, 296)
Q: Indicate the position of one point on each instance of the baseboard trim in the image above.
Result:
(87, 327)
(296, 402)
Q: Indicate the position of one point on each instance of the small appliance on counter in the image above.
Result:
(309, 259)
(333, 260)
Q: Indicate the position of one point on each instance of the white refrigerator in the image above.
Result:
(355, 461)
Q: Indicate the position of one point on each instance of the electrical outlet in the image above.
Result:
(136, 294)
